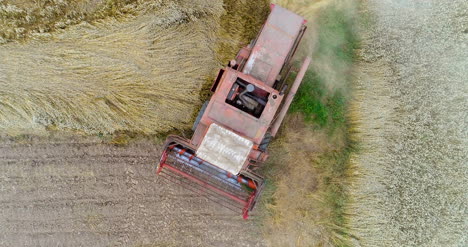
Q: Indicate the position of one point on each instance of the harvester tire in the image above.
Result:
(200, 114)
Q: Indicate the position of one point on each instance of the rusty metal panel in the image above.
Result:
(273, 45)
(235, 119)
(198, 134)
(218, 111)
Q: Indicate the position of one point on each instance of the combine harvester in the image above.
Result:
(233, 129)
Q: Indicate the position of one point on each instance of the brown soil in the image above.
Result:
(79, 192)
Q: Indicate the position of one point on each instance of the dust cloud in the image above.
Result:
(325, 62)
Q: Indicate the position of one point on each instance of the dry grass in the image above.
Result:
(138, 74)
(239, 24)
(22, 19)
(298, 213)
(121, 66)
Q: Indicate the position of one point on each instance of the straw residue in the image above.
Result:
(139, 74)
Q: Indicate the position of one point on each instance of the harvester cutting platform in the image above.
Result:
(233, 129)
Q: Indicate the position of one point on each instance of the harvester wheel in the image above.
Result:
(200, 114)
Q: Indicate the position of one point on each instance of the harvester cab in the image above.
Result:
(233, 129)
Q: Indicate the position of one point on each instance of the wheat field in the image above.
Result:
(98, 67)
(411, 101)
(138, 72)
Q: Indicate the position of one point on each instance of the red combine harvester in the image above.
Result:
(233, 129)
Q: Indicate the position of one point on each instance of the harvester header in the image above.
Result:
(234, 128)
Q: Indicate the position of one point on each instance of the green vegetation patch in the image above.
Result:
(318, 98)
(318, 105)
